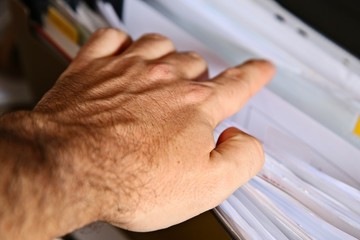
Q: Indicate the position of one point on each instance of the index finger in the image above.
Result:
(235, 86)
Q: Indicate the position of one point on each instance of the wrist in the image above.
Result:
(48, 196)
(80, 172)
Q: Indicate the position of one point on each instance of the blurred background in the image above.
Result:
(14, 90)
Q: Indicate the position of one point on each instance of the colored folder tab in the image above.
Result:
(63, 25)
(357, 128)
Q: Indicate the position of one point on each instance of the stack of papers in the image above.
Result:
(284, 204)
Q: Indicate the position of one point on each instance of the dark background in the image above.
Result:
(338, 20)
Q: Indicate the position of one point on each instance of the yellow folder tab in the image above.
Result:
(357, 128)
(62, 24)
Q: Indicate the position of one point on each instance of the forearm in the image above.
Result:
(36, 200)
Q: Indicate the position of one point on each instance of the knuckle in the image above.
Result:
(197, 57)
(194, 55)
(159, 38)
(161, 71)
(197, 92)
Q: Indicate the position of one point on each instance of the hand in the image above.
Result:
(134, 126)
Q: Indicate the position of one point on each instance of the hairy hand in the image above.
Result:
(136, 124)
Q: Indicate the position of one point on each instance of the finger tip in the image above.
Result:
(265, 66)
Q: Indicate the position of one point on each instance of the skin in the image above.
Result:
(126, 136)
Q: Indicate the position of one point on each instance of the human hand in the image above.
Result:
(141, 120)
(135, 122)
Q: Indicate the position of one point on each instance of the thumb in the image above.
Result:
(238, 157)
